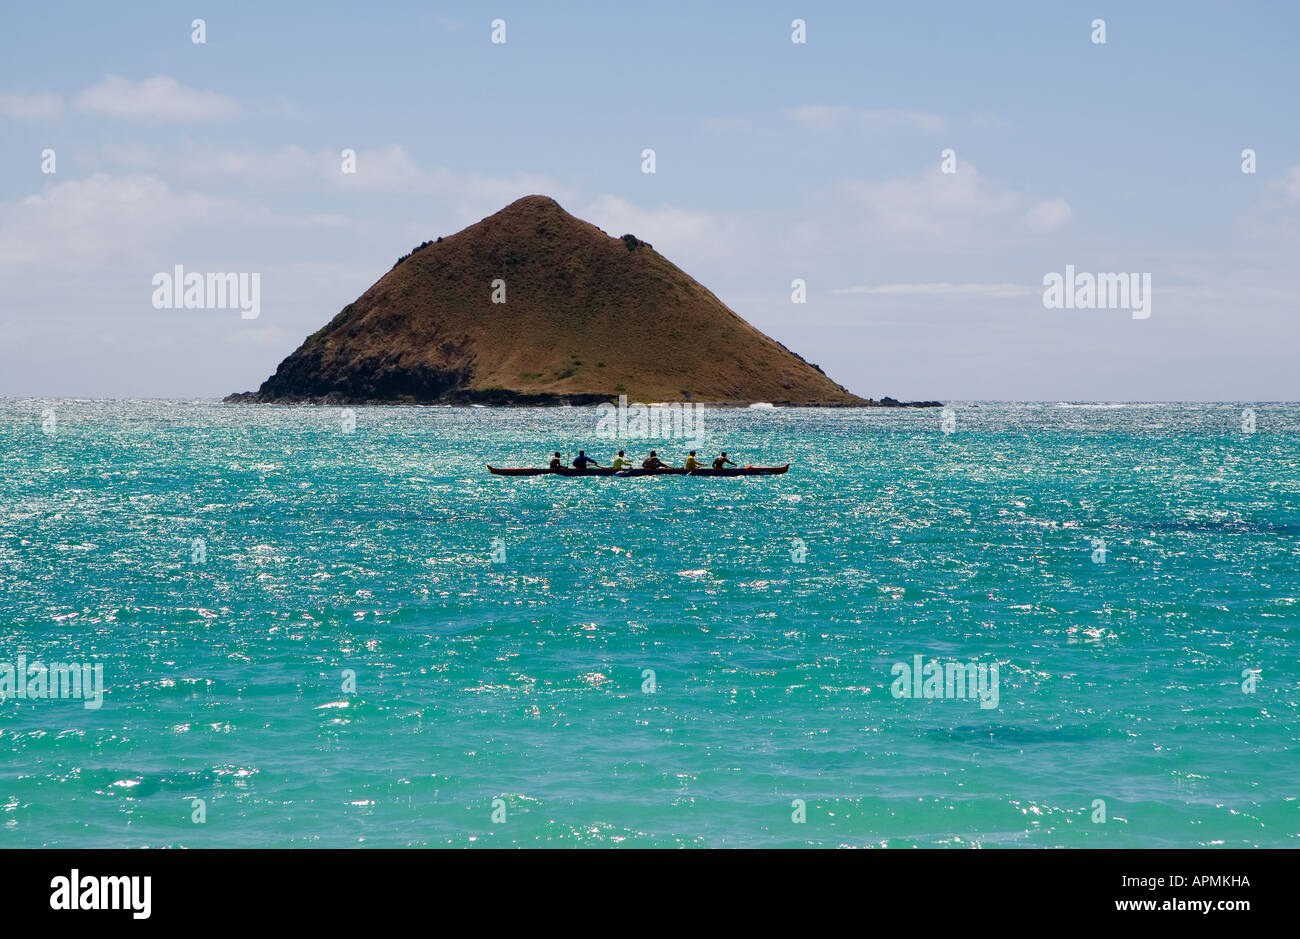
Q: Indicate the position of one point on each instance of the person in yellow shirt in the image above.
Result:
(621, 462)
(692, 463)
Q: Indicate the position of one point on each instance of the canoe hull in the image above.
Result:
(607, 471)
(543, 471)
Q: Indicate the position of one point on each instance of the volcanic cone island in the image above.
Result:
(585, 317)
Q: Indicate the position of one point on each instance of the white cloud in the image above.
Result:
(828, 117)
(288, 164)
(1046, 216)
(31, 106)
(952, 208)
(93, 221)
(157, 100)
(135, 155)
(942, 289)
(390, 170)
(674, 232)
(104, 220)
(284, 165)
(1290, 184)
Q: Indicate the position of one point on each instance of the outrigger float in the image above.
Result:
(664, 471)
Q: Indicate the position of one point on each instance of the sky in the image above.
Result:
(775, 161)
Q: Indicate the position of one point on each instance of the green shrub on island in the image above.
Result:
(420, 247)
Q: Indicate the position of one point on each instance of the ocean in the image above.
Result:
(317, 634)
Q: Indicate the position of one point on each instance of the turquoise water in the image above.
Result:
(371, 551)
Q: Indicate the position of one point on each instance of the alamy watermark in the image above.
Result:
(56, 680)
(79, 891)
(181, 291)
(974, 680)
(655, 421)
(1110, 291)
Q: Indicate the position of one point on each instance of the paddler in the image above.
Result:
(621, 462)
(692, 463)
(652, 462)
(721, 461)
(581, 460)
(556, 462)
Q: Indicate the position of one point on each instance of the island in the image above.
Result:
(533, 306)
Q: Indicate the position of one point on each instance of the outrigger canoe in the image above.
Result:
(610, 471)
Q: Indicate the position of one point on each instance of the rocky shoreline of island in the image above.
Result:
(498, 398)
